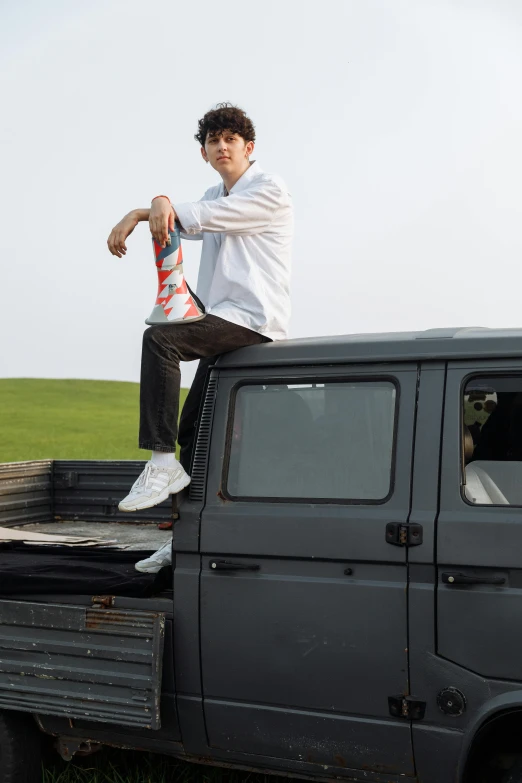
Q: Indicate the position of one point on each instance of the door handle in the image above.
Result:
(226, 565)
(466, 579)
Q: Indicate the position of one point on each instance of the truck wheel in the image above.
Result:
(20, 749)
(514, 775)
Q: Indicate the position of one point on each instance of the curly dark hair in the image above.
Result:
(225, 117)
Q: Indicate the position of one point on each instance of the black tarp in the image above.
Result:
(37, 570)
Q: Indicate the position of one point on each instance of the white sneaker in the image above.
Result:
(152, 564)
(154, 486)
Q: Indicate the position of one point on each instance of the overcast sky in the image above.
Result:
(397, 125)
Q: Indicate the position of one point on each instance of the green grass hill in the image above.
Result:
(69, 419)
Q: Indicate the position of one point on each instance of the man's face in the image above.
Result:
(227, 152)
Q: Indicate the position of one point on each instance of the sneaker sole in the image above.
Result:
(172, 489)
(146, 570)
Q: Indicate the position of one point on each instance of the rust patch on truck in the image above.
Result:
(94, 621)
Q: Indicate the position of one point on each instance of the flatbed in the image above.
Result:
(124, 535)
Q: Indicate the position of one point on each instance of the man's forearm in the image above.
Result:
(140, 215)
(143, 215)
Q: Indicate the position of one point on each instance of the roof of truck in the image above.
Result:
(472, 342)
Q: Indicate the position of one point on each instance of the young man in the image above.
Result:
(246, 225)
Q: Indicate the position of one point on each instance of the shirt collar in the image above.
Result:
(245, 179)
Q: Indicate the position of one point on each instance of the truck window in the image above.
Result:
(312, 441)
(492, 441)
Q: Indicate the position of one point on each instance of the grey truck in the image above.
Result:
(345, 599)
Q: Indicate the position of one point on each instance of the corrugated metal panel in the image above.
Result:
(80, 662)
(90, 490)
(200, 461)
(25, 492)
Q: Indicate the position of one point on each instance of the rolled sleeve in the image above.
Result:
(189, 216)
(248, 212)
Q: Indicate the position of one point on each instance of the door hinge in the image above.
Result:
(404, 534)
(406, 707)
(103, 600)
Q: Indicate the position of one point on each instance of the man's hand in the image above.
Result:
(120, 232)
(161, 220)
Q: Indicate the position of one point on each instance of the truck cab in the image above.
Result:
(345, 593)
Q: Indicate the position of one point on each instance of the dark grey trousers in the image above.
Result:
(164, 346)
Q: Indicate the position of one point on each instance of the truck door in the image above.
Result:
(303, 582)
(479, 547)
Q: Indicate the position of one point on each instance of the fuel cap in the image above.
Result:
(451, 701)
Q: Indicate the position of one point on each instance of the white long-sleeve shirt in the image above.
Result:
(244, 274)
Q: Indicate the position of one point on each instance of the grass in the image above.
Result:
(113, 766)
(69, 419)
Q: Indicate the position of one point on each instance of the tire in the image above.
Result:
(513, 775)
(20, 749)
